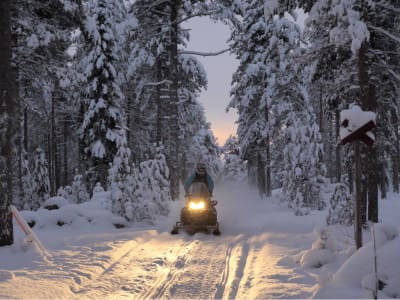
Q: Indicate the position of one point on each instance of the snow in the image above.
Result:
(264, 252)
(356, 119)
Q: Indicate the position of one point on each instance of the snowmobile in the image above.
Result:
(199, 213)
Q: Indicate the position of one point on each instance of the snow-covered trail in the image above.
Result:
(253, 258)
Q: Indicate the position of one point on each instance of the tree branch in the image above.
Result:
(387, 33)
(389, 7)
(204, 53)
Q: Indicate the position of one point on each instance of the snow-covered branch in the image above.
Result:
(158, 83)
(389, 69)
(200, 14)
(204, 53)
(387, 33)
(389, 7)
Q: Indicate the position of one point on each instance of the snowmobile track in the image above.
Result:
(107, 279)
(159, 287)
(235, 263)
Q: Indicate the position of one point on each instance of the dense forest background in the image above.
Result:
(103, 92)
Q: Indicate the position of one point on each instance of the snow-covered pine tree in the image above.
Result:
(41, 31)
(26, 192)
(102, 103)
(292, 125)
(79, 190)
(168, 79)
(152, 188)
(234, 168)
(249, 42)
(120, 177)
(331, 77)
(341, 209)
(203, 148)
(303, 167)
(40, 181)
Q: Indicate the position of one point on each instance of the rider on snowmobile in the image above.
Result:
(200, 175)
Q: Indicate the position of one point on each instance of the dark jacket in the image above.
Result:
(200, 178)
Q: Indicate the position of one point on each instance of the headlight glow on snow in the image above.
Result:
(196, 205)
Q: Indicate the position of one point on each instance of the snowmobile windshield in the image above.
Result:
(198, 189)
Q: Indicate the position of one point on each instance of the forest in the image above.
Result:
(104, 92)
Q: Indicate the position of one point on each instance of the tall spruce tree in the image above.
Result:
(102, 103)
(249, 41)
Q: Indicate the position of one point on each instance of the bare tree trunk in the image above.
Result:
(65, 151)
(261, 178)
(396, 155)
(338, 155)
(368, 102)
(52, 150)
(268, 168)
(174, 137)
(7, 108)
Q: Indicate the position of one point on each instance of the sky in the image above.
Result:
(264, 252)
(208, 36)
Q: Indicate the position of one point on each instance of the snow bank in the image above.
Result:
(356, 277)
(74, 215)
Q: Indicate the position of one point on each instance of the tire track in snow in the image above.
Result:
(235, 262)
(129, 276)
(159, 287)
(201, 278)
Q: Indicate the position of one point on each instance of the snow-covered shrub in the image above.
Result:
(152, 191)
(341, 206)
(76, 193)
(66, 193)
(316, 258)
(79, 190)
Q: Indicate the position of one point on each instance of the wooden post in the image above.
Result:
(357, 206)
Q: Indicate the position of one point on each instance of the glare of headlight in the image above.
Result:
(196, 205)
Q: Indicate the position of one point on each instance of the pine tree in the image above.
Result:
(40, 181)
(341, 206)
(203, 148)
(79, 191)
(250, 40)
(27, 190)
(152, 190)
(120, 177)
(234, 168)
(102, 102)
(168, 79)
(41, 37)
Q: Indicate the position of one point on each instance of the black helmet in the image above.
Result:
(201, 169)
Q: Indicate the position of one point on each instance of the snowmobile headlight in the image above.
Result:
(196, 205)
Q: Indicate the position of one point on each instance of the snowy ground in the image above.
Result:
(264, 252)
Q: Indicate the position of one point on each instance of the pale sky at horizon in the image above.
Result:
(208, 36)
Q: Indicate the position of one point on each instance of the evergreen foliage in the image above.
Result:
(151, 192)
(40, 181)
(102, 103)
(120, 176)
(341, 209)
(234, 168)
